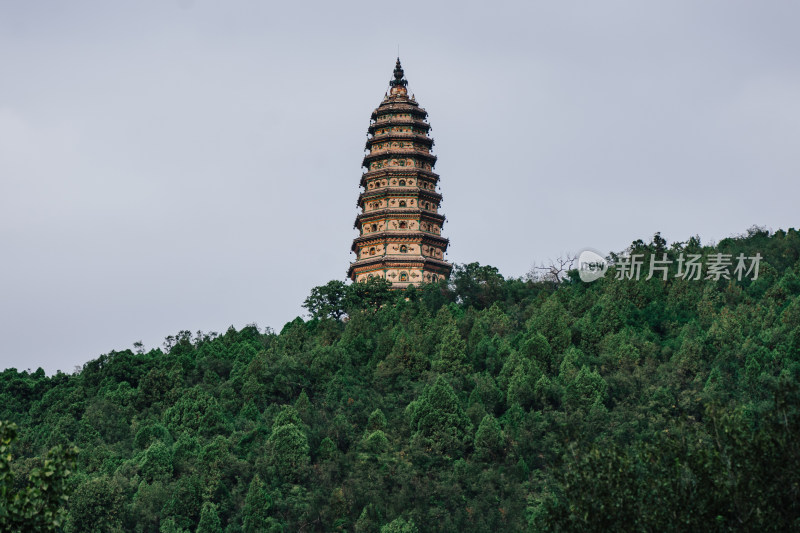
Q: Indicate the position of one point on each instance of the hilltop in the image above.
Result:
(476, 404)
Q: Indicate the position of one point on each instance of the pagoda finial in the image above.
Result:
(399, 80)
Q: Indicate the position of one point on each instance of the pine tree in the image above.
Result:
(256, 507)
(437, 420)
(209, 520)
(488, 439)
(288, 452)
(400, 525)
(451, 355)
(377, 420)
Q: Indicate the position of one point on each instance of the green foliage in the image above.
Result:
(451, 357)
(147, 434)
(327, 301)
(476, 285)
(256, 507)
(148, 503)
(438, 422)
(475, 404)
(368, 521)
(327, 449)
(37, 503)
(185, 501)
(585, 389)
(303, 404)
(522, 382)
(96, 506)
(489, 441)
(209, 520)
(369, 295)
(743, 476)
(400, 525)
(157, 464)
(376, 442)
(169, 526)
(377, 420)
(287, 452)
(196, 411)
(287, 415)
(336, 299)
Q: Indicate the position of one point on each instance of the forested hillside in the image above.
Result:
(480, 404)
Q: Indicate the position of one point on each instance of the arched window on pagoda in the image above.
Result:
(403, 276)
(372, 251)
(403, 249)
(403, 225)
(374, 227)
(402, 203)
(402, 183)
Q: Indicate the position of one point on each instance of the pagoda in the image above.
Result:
(400, 225)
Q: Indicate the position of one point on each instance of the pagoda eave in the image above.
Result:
(402, 212)
(398, 122)
(413, 192)
(402, 172)
(399, 172)
(400, 237)
(398, 153)
(390, 108)
(384, 262)
(402, 137)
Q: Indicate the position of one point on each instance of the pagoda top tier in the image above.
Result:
(397, 104)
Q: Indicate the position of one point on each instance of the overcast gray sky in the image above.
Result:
(193, 165)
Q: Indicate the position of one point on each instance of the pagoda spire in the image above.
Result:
(399, 79)
(399, 85)
(399, 221)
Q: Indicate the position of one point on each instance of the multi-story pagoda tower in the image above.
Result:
(400, 225)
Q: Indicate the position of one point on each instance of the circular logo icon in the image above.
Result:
(591, 265)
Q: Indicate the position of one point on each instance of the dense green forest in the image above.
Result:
(477, 404)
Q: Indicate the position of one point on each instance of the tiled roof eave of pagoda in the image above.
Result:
(391, 108)
(402, 137)
(394, 153)
(400, 213)
(400, 172)
(399, 101)
(395, 236)
(398, 122)
(413, 192)
(398, 259)
(386, 262)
